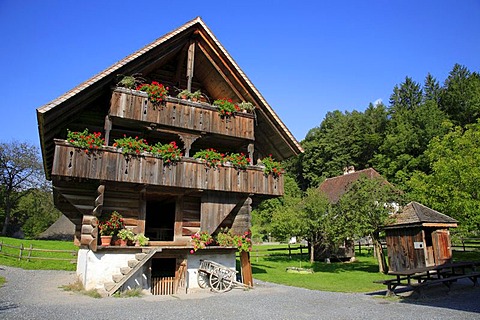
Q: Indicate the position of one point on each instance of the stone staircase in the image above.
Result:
(127, 272)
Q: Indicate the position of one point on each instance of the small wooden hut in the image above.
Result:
(418, 237)
(167, 202)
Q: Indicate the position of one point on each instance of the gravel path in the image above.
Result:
(33, 294)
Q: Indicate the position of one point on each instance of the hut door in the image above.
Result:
(441, 246)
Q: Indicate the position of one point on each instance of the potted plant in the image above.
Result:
(270, 166)
(85, 140)
(201, 240)
(184, 94)
(238, 160)
(130, 82)
(156, 92)
(141, 240)
(247, 107)
(195, 96)
(211, 157)
(125, 235)
(130, 145)
(109, 226)
(225, 107)
(169, 153)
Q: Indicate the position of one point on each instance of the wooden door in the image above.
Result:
(442, 248)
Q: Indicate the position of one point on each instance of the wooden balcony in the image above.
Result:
(108, 164)
(177, 113)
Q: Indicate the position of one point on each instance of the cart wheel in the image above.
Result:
(202, 279)
(220, 280)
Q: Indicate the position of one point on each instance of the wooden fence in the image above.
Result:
(164, 286)
(466, 244)
(25, 253)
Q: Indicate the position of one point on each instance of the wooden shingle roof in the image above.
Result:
(335, 187)
(416, 214)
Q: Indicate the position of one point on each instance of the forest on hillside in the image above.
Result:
(425, 142)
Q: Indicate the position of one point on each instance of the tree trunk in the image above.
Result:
(7, 215)
(382, 263)
(312, 251)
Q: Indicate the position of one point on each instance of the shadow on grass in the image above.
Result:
(333, 267)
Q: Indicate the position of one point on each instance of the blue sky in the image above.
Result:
(305, 57)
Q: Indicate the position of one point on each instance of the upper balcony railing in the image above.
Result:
(178, 113)
(108, 164)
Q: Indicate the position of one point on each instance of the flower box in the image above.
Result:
(197, 116)
(109, 164)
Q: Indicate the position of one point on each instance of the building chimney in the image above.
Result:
(347, 170)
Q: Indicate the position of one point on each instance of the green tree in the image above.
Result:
(342, 139)
(365, 208)
(35, 212)
(407, 96)
(21, 172)
(452, 187)
(460, 98)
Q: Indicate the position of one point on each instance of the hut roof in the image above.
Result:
(416, 214)
(335, 187)
(62, 229)
(215, 69)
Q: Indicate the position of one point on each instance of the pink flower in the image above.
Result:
(192, 252)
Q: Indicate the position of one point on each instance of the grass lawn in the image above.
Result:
(37, 264)
(336, 276)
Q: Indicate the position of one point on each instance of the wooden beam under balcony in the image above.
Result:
(108, 164)
(177, 113)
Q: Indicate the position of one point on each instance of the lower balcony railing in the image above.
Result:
(108, 164)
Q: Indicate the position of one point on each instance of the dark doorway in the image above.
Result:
(160, 220)
(163, 276)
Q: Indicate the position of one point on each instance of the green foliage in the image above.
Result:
(35, 212)
(126, 234)
(270, 166)
(85, 139)
(20, 172)
(169, 153)
(460, 98)
(211, 157)
(225, 107)
(130, 293)
(131, 145)
(452, 188)
(238, 160)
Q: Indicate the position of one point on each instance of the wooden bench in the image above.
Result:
(424, 280)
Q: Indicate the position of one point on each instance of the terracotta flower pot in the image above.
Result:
(106, 240)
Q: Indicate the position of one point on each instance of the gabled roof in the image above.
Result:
(335, 187)
(416, 214)
(214, 64)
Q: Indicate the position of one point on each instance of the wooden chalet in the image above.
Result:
(168, 203)
(333, 189)
(418, 237)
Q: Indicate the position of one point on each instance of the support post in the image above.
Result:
(190, 64)
(247, 276)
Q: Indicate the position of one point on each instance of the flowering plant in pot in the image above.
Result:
(210, 156)
(85, 139)
(270, 166)
(246, 106)
(225, 107)
(169, 153)
(109, 226)
(141, 240)
(131, 145)
(238, 160)
(130, 82)
(156, 92)
(201, 240)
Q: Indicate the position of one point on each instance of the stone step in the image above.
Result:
(140, 256)
(132, 263)
(117, 277)
(109, 285)
(125, 270)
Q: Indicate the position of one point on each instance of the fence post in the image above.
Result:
(463, 244)
(289, 251)
(30, 252)
(1, 242)
(20, 252)
(359, 247)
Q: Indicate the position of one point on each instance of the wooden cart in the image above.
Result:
(219, 277)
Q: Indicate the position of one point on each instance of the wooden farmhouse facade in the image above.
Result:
(167, 202)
